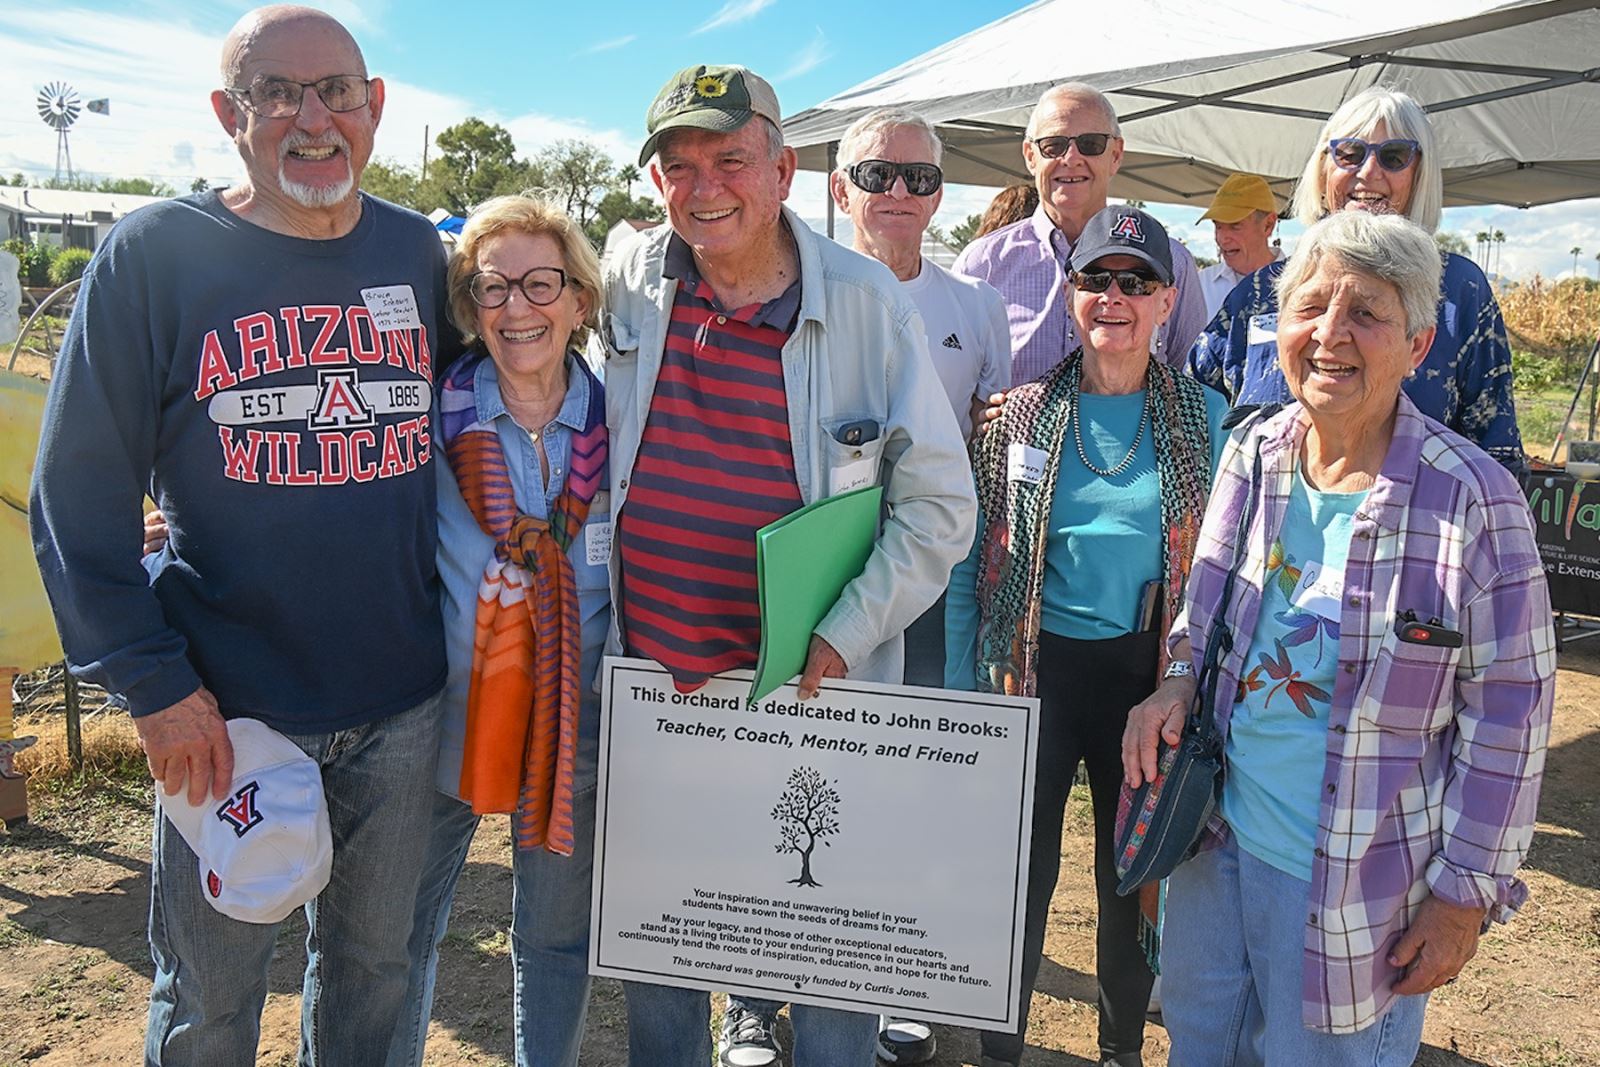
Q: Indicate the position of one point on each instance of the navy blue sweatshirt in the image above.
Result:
(280, 418)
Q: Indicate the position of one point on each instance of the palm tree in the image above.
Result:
(629, 175)
(1483, 244)
(1576, 252)
(1499, 249)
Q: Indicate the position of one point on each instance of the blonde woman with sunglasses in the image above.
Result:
(1377, 154)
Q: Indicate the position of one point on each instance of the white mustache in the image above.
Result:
(300, 139)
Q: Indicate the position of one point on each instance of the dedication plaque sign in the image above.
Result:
(865, 850)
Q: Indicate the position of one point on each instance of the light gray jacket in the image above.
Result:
(858, 351)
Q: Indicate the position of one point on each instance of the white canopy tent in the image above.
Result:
(1203, 90)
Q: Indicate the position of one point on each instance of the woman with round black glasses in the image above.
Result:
(1091, 485)
(1376, 154)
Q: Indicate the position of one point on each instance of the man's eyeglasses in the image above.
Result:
(1350, 152)
(878, 175)
(540, 286)
(1131, 282)
(280, 98)
(1089, 144)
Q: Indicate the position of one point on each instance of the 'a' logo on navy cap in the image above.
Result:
(1127, 227)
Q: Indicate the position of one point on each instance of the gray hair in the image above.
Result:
(1358, 117)
(874, 124)
(1389, 248)
(1081, 92)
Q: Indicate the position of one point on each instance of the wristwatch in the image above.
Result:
(1178, 668)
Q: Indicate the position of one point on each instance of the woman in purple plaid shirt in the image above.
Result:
(1394, 666)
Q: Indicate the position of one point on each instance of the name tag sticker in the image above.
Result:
(597, 544)
(392, 307)
(853, 475)
(1319, 591)
(1025, 464)
(1263, 330)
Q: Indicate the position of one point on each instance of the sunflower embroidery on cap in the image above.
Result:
(710, 86)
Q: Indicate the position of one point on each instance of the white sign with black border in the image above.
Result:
(864, 850)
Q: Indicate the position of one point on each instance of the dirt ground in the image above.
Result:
(75, 969)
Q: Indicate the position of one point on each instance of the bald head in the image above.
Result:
(1069, 94)
(258, 28)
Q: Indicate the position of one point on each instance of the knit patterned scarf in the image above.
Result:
(522, 703)
(1010, 589)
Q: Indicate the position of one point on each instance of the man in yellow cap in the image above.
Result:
(1244, 215)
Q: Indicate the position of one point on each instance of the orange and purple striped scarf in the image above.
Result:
(522, 702)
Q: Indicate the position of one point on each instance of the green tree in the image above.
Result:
(199, 185)
(398, 184)
(627, 176)
(477, 160)
(1450, 242)
(613, 208)
(1576, 252)
(576, 175)
(962, 233)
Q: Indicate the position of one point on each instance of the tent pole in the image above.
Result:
(833, 161)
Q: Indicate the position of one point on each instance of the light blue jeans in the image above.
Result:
(671, 1027)
(211, 971)
(549, 936)
(1231, 958)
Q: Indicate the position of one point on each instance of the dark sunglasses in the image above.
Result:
(878, 175)
(1131, 282)
(1350, 152)
(540, 286)
(1089, 144)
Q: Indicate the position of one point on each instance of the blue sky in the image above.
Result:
(545, 71)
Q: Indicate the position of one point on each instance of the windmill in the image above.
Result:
(59, 108)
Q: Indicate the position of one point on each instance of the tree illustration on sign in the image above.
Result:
(807, 813)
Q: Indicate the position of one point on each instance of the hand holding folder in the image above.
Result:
(803, 562)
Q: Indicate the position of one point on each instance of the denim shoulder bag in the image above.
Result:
(1160, 823)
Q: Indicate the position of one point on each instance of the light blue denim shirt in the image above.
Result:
(464, 551)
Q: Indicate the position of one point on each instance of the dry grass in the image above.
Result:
(110, 749)
(1552, 319)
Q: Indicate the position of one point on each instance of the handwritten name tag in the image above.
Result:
(392, 307)
(597, 544)
(1319, 591)
(1025, 464)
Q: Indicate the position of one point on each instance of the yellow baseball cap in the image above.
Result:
(1239, 196)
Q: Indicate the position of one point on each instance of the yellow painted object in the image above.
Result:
(27, 631)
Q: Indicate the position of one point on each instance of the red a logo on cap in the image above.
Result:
(1127, 227)
(240, 811)
(213, 884)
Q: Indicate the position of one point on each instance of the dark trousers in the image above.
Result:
(1085, 691)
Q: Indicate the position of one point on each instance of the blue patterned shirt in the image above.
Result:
(1464, 382)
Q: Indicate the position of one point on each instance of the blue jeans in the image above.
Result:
(1231, 958)
(671, 1027)
(549, 936)
(211, 971)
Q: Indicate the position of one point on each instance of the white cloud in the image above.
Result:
(734, 11)
(813, 55)
(612, 45)
(159, 73)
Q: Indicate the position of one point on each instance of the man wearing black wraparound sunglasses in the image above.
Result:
(1073, 148)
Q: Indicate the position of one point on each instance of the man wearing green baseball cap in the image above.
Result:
(753, 368)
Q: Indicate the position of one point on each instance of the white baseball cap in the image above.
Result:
(266, 849)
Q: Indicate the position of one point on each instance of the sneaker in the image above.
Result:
(905, 1041)
(747, 1039)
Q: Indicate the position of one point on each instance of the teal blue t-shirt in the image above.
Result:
(1104, 541)
(1277, 736)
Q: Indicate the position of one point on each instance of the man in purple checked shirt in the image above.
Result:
(1073, 148)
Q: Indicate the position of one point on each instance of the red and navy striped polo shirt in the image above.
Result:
(715, 464)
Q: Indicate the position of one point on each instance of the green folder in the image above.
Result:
(803, 562)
